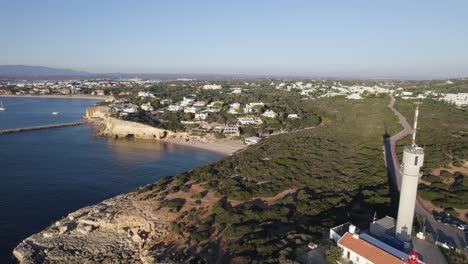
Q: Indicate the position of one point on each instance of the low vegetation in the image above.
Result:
(443, 132)
(327, 175)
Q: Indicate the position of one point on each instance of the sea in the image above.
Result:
(46, 174)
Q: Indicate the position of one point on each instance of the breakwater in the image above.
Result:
(25, 129)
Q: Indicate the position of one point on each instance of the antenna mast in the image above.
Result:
(415, 125)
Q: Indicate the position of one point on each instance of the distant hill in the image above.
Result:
(25, 71)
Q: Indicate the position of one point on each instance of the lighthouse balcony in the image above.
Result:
(414, 150)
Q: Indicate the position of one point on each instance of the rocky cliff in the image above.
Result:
(97, 112)
(112, 127)
(118, 230)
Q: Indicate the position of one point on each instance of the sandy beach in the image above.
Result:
(227, 147)
(77, 96)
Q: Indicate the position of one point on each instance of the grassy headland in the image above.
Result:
(286, 191)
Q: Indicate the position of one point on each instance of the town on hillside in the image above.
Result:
(237, 109)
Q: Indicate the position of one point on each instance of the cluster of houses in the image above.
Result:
(321, 89)
(246, 114)
(124, 109)
(71, 87)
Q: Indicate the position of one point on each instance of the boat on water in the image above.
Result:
(2, 108)
(55, 113)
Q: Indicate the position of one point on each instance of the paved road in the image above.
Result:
(440, 231)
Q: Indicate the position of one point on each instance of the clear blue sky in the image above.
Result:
(372, 38)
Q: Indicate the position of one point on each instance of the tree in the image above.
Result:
(258, 108)
(188, 116)
(334, 254)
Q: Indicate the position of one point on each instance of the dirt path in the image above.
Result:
(265, 200)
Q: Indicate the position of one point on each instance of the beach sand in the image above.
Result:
(77, 96)
(227, 147)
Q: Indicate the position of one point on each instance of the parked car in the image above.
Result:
(447, 221)
(445, 244)
(462, 227)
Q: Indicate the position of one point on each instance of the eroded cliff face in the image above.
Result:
(122, 229)
(97, 112)
(112, 127)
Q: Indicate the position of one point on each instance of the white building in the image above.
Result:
(270, 114)
(364, 249)
(227, 129)
(187, 101)
(190, 109)
(293, 116)
(236, 90)
(145, 94)
(124, 108)
(201, 116)
(249, 120)
(458, 99)
(235, 105)
(252, 140)
(174, 108)
(199, 103)
(147, 107)
(212, 87)
(166, 101)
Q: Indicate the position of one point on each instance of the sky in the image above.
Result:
(350, 38)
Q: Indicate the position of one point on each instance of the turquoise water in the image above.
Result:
(46, 174)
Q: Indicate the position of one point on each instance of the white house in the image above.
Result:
(235, 105)
(363, 248)
(187, 101)
(201, 116)
(269, 114)
(212, 87)
(125, 108)
(234, 108)
(231, 130)
(252, 140)
(145, 94)
(147, 107)
(236, 90)
(249, 120)
(130, 109)
(199, 103)
(166, 101)
(174, 108)
(190, 109)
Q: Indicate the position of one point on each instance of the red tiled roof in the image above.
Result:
(367, 250)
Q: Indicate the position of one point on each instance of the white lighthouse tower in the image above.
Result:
(413, 158)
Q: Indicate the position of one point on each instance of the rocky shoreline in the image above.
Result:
(129, 228)
(117, 230)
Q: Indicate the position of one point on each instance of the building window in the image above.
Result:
(357, 259)
(349, 255)
(416, 160)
